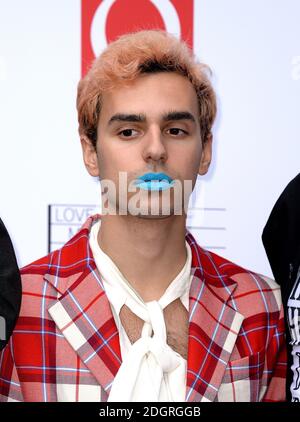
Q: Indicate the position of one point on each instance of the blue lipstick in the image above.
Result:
(154, 181)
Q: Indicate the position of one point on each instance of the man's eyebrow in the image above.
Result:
(167, 117)
(122, 117)
(178, 115)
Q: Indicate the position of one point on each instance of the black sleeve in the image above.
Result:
(10, 287)
(281, 237)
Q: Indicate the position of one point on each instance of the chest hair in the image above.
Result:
(176, 320)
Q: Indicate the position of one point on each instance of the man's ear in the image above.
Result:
(206, 155)
(89, 156)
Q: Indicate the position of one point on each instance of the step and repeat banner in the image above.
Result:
(253, 50)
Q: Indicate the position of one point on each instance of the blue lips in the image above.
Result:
(154, 181)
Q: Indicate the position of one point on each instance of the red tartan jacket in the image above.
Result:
(65, 346)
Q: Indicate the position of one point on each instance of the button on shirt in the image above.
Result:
(151, 370)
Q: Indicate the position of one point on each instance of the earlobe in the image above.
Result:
(206, 155)
(89, 156)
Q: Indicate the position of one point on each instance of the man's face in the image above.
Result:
(150, 126)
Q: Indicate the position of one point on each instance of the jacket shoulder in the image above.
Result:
(73, 255)
(254, 292)
(60, 267)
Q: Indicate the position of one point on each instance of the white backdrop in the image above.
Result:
(253, 49)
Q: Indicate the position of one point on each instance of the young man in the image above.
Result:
(131, 308)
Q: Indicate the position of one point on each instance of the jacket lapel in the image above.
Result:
(213, 325)
(82, 311)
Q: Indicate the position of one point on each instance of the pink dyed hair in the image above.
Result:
(128, 57)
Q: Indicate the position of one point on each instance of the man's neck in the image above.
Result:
(148, 252)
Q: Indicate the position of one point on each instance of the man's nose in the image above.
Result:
(154, 146)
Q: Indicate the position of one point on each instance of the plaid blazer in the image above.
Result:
(65, 346)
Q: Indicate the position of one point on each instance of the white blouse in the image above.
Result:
(151, 370)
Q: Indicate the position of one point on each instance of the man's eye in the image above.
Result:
(176, 131)
(127, 133)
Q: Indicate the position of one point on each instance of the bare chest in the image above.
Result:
(176, 321)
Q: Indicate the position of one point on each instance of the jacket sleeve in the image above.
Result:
(10, 386)
(276, 365)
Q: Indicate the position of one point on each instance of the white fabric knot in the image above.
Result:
(165, 356)
(152, 350)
